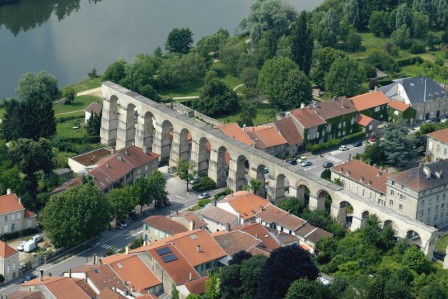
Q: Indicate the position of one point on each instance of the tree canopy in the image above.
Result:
(344, 77)
(40, 85)
(76, 215)
(302, 43)
(180, 40)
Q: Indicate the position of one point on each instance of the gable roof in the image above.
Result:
(233, 130)
(59, 287)
(6, 251)
(417, 179)
(289, 131)
(26, 295)
(266, 137)
(441, 135)
(418, 89)
(363, 174)
(189, 216)
(235, 241)
(196, 286)
(308, 118)
(273, 214)
(102, 276)
(108, 293)
(363, 120)
(165, 224)
(219, 215)
(398, 105)
(245, 203)
(94, 107)
(261, 233)
(10, 203)
(92, 157)
(369, 100)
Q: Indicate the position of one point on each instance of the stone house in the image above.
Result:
(13, 215)
(9, 262)
(397, 111)
(372, 104)
(287, 128)
(437, 145)
(94, 107)
(159, 227)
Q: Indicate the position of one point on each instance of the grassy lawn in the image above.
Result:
(80, 103)
(186, 91)
(369, 40)
(265, 114)
(86, 84)
(65, 129)
(442, 243)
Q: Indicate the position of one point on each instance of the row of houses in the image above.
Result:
(180, 250)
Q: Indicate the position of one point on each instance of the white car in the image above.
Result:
(21, 244)
(343, 148)
(37, 238)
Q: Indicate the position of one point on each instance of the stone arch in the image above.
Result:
(345, 213)
(277, 191)
(364, 215)
(144, 134)
(391, 224)
(203, 155)
(242, 164)
(129, 126)
(109, 121)
(184, 144)
(260, 177)
(166, 141)
(303, 192)
(222, 166)
(324, 201)
(412, 237)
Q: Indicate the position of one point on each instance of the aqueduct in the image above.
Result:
(129, 118)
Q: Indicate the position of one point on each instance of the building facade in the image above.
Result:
(9, 262)
(437, 145)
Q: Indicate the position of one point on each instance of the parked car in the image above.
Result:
(328, 164)
(29, 246)
(37, 238)
(372, 139)
(306, 163)
(167, 202)
(29, 277)
(159, 204)
(132, 216)
(195, 180)
(266, 170)
(291, 161)
(357, 144)
(121, 224)
(343, 148)
(21, 244)
(301, 159)
(204, 195)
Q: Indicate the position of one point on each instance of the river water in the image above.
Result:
(70, 37)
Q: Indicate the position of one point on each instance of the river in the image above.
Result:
(70, 37)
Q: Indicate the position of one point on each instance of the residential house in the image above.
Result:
(269, 240)
(421, 193)
(243, 204)
(13, 216)
(368, 125)
(26, 295)
(94, 107)
(9, 262)
(196, 286)
(372, 104)
(362, 179)
(159, 227)
(398, 110)
(288, 129)
(235, 241)
(323, 121)
(427, 97)
(234, 131)
(268, 140)
(218, 219)
(437, 145)
(81, 164)
(189, 219)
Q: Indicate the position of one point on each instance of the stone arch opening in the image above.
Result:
(222, 170)
(144, 133)
(324, 201)
(242, 166)
(303, 193)
(203, 158)
(109, 121)
(258, 185)
(277, 192)
(391, 224)
(414, 238)
(166, 139)
(345, 214)
(184, 144)
(364, 216)
(126, 127)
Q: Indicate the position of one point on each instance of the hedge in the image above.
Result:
(204, 184)
(227, 191)
(15, 235)
(203, 202)
(409, 61)
(418, 49)
(323, 146)
(67, 118)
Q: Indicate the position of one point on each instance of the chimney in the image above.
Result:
(379, 173)
(198, 248)
(126, 152)
(342, 103)
(20, 200)
(127, 250)
(244, 127)
(376, 88)
(302, 105)
(120, 157)
(145, 149)
(227, 227)
(8, 191)
(177, 212)
(256, 236)
(191, 222)
(439, 174)
(107, 165)
(70, 273)
(427, 171)
(239, 218)
(112, 151)
(41, 274)
(191, 276)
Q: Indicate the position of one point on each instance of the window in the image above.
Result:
(13, 217)
(18, 216)
(437, 208)
(400, 207)
(14, 267)
(402, 187)
(13, 227)
(402, 197)
(363, 192)
(6, 218)
(147, 227)
(421, 213)
(429, 210)
(435, 217)
(392, 193)
(438, 148)
(391, 202)
(422, 202)
(7, 269)
(445, 151)
(442, 206)
(393, 183)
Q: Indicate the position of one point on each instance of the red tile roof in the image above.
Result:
(266, 137)
(165, 224)
(102, 276)
(196, 286)
(26, 295)
(273, 214)
(289, 131)
(60, 287)
(6, 251)
(363, 174)
(234, 131)
(29, 213)
(91, 158)
(259, 231)
(10, 203)
(235, 241)
(308, 118)
(246, 203)
(398, 105)
(108, 293)
(364, 120)
(219, 215)
(370, 100)
(441, 135)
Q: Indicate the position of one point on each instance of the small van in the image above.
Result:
(29, 246)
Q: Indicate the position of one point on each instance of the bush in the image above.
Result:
(203, 202)
(204, 184)
(355, 136)
(323, 146)
(227, 191)
(67, 118)
(409, 61)
(418, 49)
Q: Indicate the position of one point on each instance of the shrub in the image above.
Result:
(203, 202)
(322, 146)
(409, 61)
(227, 191)
(204, 184)
(418, 49)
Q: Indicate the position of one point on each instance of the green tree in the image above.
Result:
(116, 71)
(416, 260)
(75, 215)
(420, 25)
(434, 290)
(141, 72)
(378, 23)
(136, 243)
(181, 70)
(302, 43)
(328, 29)
(230, 281)
(248, 112)
(212, 287)
(215, 97)
(344, 77)
(120, 202)
(194, 296)
(299, 264)
(375, 154)
(212, 44)
(180, 40)
(304, 288)
(157, 187)
(403, 16)
(185, 170)
(141, 192)
(11, 125)
(174, 291)
(9, 173)
(351, 12)
(284, 84)
(379, 59)
(249, 76)
(401, 37)
(250, 274)
(69, 95)
(293, 205)
(2, 278)
(93, 126)
(40, 85)
(324, 59)
(441, 13)
(239, 257)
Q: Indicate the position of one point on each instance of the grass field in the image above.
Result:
(265, 114)
(85, 85)
(66, 128)
(442, 243)
(79, 104)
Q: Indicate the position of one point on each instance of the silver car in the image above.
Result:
(20, 246)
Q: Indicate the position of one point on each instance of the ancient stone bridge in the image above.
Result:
(129, 118)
